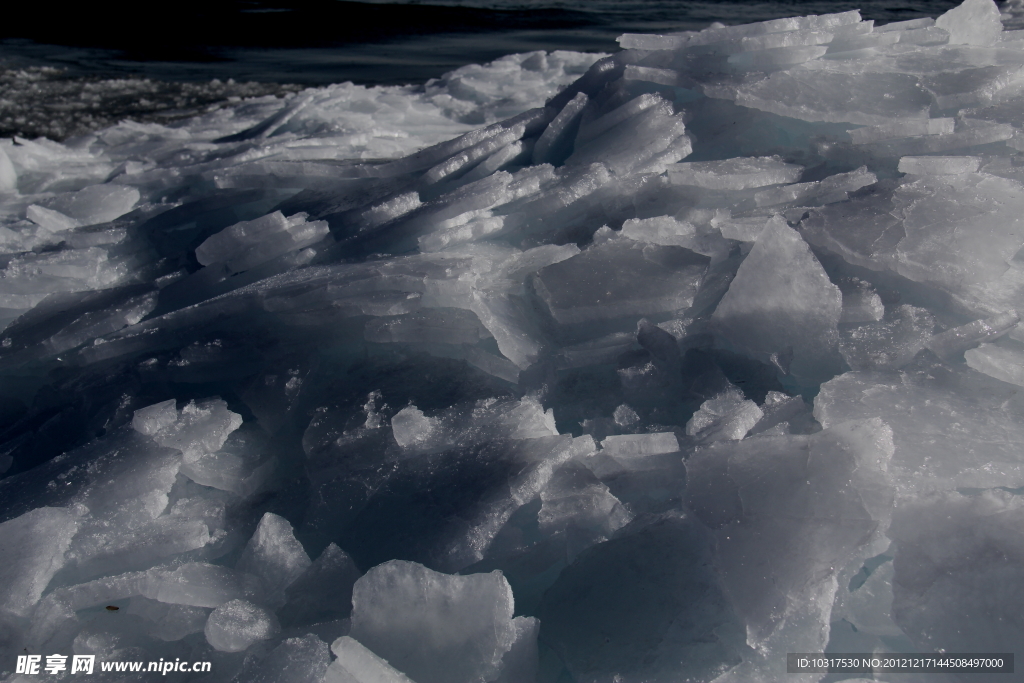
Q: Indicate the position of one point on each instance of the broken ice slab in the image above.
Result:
(953, 427)
(250, 243)
(788, 512)
(974, 22)
(939, 165)
(601, 282)
(357, 664)
(195, 430)
(951, 343)
(663, 230)
(717, 34)
(835, 188)
(861, 136)
(237, 624)
(34, 545)
(781, 307)
(435, 628)
(94, 204)
(741, 173)
(639, 445)
(728, 416)
(274, 556)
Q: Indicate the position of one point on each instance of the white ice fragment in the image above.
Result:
(781, 305)
(435, 628)
(727, 416)
(200, 428)
(639, 445)
(612, 271)
(236, 625)
(275, 556)
(250, 243)
(50, 220)
(152, 419)
(410, 425)
(832, 189)
(356, 664)
(33, 547)
(939, 165)
(899, 129)
(995, 361)
(740, 173)
(94, 204)
(949, 344)
(556, 135)
(953, 427)
(973, 22)
(664, 230)
(788, 513)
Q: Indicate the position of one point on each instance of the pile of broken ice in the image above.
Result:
(705, 356)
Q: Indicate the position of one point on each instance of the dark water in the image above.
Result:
(81, 66)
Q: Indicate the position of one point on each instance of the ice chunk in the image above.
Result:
(727, 416)
(94, 204)
(574, 498)
(862, 136)
(356, 664)
(236, 625)
(995, 361)
(199, 428)
(275, 556)
(410, 425)
(734, 174)
(974, 22)
(835, 188)
(33, 545)
(670, 275)
(250, 243)
(953, 427)
(640, 445)
(939, 165)
(781, 305)
(156, 417)
(435, 628)
(788, 512)
(664, 230)
(951, 343)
